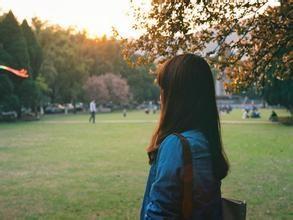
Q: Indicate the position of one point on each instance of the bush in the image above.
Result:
(286, 120)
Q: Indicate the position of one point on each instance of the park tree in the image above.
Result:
(105, 55)
(13, 53)
(14, 42)
(141, 82)
(96, 89)
(29, 94)
(107, 87)
(34, 49)
(117, 87)
(109, 58)
(30, 91)
(64, 68)
(280, 92)
(67, 50)
(247, 41)
(8, 100)
(20, 50)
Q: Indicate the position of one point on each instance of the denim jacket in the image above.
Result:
(163, 194)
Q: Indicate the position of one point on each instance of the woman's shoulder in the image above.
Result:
(170, 150)
(173, 143)
(192, 136)
(170, 143)
(196, 138)
(169, 153)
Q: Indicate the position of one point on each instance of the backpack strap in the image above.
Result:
(187, 202)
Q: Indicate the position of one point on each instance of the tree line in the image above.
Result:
(248, 43)
(64, 65)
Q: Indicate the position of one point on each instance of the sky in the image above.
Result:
(96, 16)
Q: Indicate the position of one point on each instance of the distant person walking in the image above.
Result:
(93, 111)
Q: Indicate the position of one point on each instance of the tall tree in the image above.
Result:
(246, 40)
(13, 41)
(8, 100)
(70, 57)
(141, 82)
(34, 49)
(280, 92)
(64, 67)
(15, 54)
(20, 50)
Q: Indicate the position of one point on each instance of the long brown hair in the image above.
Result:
(188, 102)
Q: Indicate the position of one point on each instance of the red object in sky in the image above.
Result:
(20, 73)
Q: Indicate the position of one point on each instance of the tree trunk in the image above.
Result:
(18, 111)
(74, 106)
(263, 103)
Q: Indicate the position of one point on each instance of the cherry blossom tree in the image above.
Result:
(107, 87)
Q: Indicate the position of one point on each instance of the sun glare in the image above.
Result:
(97, 17)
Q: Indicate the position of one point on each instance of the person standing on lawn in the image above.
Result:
(93, 111)
(188, 111)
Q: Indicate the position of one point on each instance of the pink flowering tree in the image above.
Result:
(107, 87)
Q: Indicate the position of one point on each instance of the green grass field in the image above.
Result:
(62, 167)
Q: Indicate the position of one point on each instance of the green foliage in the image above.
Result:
(71, 57)
(13, 41)
(19, 49)
(34, 49)
(141, 83)
(60, 60)
(29, 93)
(42, 85)
(66, 65)
(280, 92)
(245, 40)
(8, 101)
(6, 86)
(5, 58)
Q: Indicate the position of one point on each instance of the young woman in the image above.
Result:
(188, 107)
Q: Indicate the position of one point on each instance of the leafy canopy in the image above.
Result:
(248, 41)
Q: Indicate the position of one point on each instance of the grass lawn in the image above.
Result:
(62, 167)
